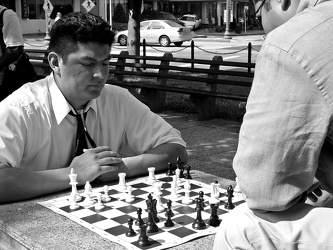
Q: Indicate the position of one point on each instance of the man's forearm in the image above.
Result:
(17, 184)
(158, 158)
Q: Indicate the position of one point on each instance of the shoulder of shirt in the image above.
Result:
(114, 91)
(298, 30)
(26, 97)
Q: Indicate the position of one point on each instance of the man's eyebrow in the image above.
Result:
(93, 59)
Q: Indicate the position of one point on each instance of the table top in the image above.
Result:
(28, 225)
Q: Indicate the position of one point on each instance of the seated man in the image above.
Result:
(40, 134)
(286, 139)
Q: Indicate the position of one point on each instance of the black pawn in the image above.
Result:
(188, 175)
(169, 222)
(170, 172)
(229, 205)
(201, 198)
(169, 204)
(156, 219)
(139, 221)
(143, 240)
(199, 222)
(214, 218)
(130, 232)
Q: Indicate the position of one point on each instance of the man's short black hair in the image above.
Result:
(78, 28)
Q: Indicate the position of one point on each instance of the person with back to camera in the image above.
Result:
(42, 123)
(286, 140)
(11, 47)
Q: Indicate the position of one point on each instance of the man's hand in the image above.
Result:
(94, 162)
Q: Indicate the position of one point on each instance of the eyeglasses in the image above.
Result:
(258, 18)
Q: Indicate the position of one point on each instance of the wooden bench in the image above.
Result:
(153, 76)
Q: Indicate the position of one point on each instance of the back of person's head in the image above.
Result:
(78, 28)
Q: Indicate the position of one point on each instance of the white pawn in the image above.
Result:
(105, 196)
(73, 205)
(151, 177)
(88, 201)
(179, 180)
(87, 187)
(99, 205)
(122, 184)
(187, 198)
(129, 197)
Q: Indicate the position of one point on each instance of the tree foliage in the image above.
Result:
(119, 15)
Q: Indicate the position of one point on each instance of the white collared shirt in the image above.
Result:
(37, 133)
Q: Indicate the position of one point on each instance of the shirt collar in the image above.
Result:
(61, 107)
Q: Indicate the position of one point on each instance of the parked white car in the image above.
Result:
(191, 21)
(163, 32)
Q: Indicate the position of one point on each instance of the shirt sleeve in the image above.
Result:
(145, 130)
(12, 32)
(282, 133)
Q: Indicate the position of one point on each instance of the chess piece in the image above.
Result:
(174, 195)
(73, 204)
(151, 177)
(214, 194)
(151, 225)
(87, 188)
(88, 201)
(187, 189)
(139, 221)
(169, 222)
(122, 184)
(180, 163)
(129, 196)
(202, 200)
(143, 240)
(105, 196)
(198, 223)
(188, 175)
(169, 204)
(75, 195)
(170, 172)
(229, 205)
(236, 188)
(214, 218)
(130, 232)
(99, 205)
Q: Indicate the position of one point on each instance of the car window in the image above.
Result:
(144, 25)
(156, 25)
(173, 23)
(168, 16)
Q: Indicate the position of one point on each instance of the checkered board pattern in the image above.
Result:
(112, 221)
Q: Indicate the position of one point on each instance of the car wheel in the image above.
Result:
(178, 44)
(164, 41)
(122, 40)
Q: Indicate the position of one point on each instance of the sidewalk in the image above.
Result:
(211, 144)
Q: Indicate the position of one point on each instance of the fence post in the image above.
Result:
(144, 51)
(120, 68)
(192, 53)
(249, 56)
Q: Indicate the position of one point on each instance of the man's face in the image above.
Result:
(84, 73)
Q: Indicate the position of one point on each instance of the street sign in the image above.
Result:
(48, 7)
(88, 5)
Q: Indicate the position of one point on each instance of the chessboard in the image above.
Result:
(112, 221)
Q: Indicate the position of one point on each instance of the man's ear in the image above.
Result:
(54, 61)
(285, 4)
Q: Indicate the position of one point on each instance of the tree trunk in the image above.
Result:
(133, 40)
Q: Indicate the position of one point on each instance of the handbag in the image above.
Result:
(17, 73)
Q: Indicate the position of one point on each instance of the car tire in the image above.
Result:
(178, 44)
(164, 41)
(122, 40)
